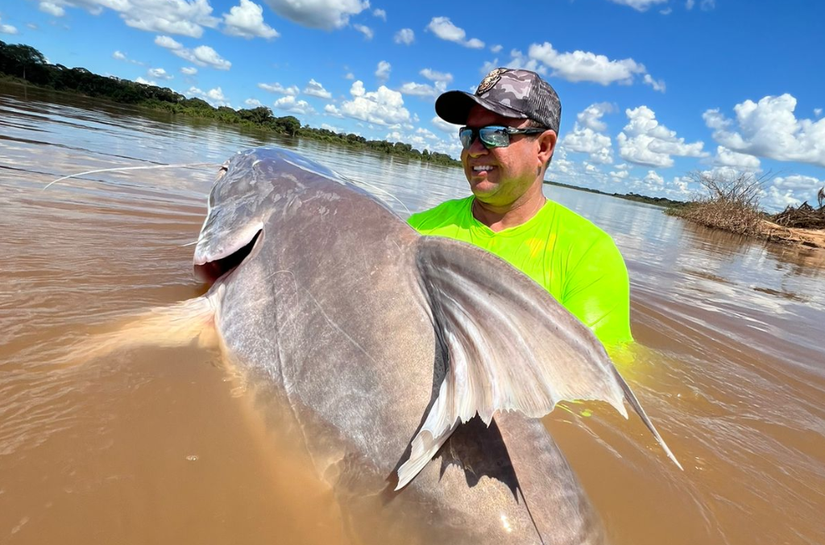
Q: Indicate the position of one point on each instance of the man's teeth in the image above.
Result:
(482, 168)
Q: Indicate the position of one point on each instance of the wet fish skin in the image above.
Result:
(335, 316)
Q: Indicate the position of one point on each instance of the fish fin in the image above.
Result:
(511, 345)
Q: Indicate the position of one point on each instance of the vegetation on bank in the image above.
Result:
(732, 204)
(25, 64)
(657, 201)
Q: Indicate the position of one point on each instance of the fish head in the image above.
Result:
(249, 188)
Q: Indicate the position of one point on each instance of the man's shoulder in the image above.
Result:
(438, 216)
(575, 226)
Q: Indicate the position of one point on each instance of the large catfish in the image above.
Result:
(413, 369)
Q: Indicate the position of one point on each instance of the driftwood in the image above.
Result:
(804, 216)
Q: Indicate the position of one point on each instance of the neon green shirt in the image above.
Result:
(574, 260)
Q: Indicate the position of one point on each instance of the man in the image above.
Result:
(510, 131)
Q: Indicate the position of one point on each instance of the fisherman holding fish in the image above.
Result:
(509, 132)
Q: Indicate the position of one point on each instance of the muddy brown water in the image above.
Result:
(159, 445)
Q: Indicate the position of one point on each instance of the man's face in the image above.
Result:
(501, 176)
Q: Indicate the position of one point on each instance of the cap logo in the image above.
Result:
(490, 80)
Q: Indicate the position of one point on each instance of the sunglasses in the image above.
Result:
(492, 136)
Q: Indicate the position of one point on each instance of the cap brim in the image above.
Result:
(454, 107)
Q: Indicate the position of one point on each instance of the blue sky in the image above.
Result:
(651, 89)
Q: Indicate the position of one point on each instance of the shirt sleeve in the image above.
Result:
(597, 292)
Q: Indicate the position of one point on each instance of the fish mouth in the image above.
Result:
(210, 270)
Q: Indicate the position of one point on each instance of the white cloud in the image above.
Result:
(365, 30)
(8, 29)
(657, 85)
(315, 89)
(770, 129)
(253, 103)
(279, 89)
(203, 55)
(446, 30)
(639, 5)
(159, 73)
(423, 89)
(496, 48)
(404, 36)
(383, 70)
(331, 110)
(644, 141)
(380, 13)
(432, 75)
(443, 126)
(214, 96)
(189, 70)
(121, 56)
(381, 107)
(325, 14)
(726, 157)
(184, 17)
(349, 75)
(247, 21)
(790, 190)
(51, 8)
(585, 66)
(145, 81)
(587, 136)
(289, 104)
(689, 4)
(817, 112)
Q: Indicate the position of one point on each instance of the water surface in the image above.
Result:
(158, 445)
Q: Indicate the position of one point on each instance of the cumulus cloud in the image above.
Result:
(145, 81)
(214, 96)
(587, 136)
(404, 36)
(381, 107)
(769, 128)
(279, 89)
(644, 141)
(247, 21)
(383, 70)
(332, 110)
(446, 30)
(496, 48)
(443, 126)
(423, 89)
(52, 8)
(729, 158)
(315, 89)
(203, 55)
(184, 17)
(253, 103)
(432, 75)
(159, 73)
(640, 5)
(189, 70)
(365, 30)
(290, 104)
(585, 66)
(324, 14)
(380, 13)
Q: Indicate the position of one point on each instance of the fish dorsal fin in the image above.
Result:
(511, 345)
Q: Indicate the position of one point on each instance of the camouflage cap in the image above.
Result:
(521, 94)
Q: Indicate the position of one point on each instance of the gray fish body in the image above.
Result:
(331, 315)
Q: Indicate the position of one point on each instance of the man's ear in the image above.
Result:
(547, 145)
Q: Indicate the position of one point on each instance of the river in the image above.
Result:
(156, 445)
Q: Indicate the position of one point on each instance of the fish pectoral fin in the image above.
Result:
(511, 345)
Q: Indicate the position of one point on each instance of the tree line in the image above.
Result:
(20, 62)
